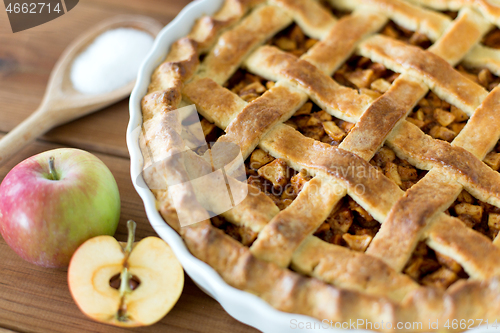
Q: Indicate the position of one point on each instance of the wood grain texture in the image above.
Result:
(34, 299)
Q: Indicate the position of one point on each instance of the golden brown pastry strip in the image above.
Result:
(404, 14)
(468, 28)
(486, 119)
(382, 117)
(215, 103)
(484, 57)
(459, 164)
(490, 11)
(351, 270)
(164, 143)
(447, 83)
(473, 250)
(408, 218)
(260, 116)
(341, 102)
(207, 29)
(314, 19)
(280, 238)
(331, 52)
(372, 190)
(234, 45)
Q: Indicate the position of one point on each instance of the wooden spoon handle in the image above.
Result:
(35, 125)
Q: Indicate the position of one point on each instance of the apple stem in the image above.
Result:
(52, 169)
(124, 284)
(131, 225)
(124, 289)
(125, 276)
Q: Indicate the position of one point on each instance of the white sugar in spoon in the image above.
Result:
(62, 102)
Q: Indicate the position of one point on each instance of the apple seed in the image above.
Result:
(115, 282)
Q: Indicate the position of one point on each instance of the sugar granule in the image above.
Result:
(110, 61)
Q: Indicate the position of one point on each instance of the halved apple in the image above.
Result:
(125, 284)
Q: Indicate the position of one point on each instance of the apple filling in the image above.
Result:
(476, 214)
(274, 177)
(398, 170)
(438, 118)
(248, 86)
(242, 234)
(370, 78)
(395, 31)
(481, 76)
(319, 125)
(349, 225)
(433, 269)
(492, 159)
(293, 40)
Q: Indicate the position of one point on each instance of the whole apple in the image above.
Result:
(54, 201)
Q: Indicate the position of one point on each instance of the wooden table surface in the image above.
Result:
(34, 299)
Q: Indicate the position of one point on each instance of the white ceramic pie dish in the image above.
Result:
(241, 305)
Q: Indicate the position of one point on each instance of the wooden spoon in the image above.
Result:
(61, 102)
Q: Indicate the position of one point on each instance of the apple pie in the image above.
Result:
(369, 132)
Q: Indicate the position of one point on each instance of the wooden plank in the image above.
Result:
(3, 330)
(37, 299)
(107, 137)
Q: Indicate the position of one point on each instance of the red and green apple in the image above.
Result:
(54, 201)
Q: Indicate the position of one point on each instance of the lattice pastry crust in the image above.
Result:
(287, 265)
